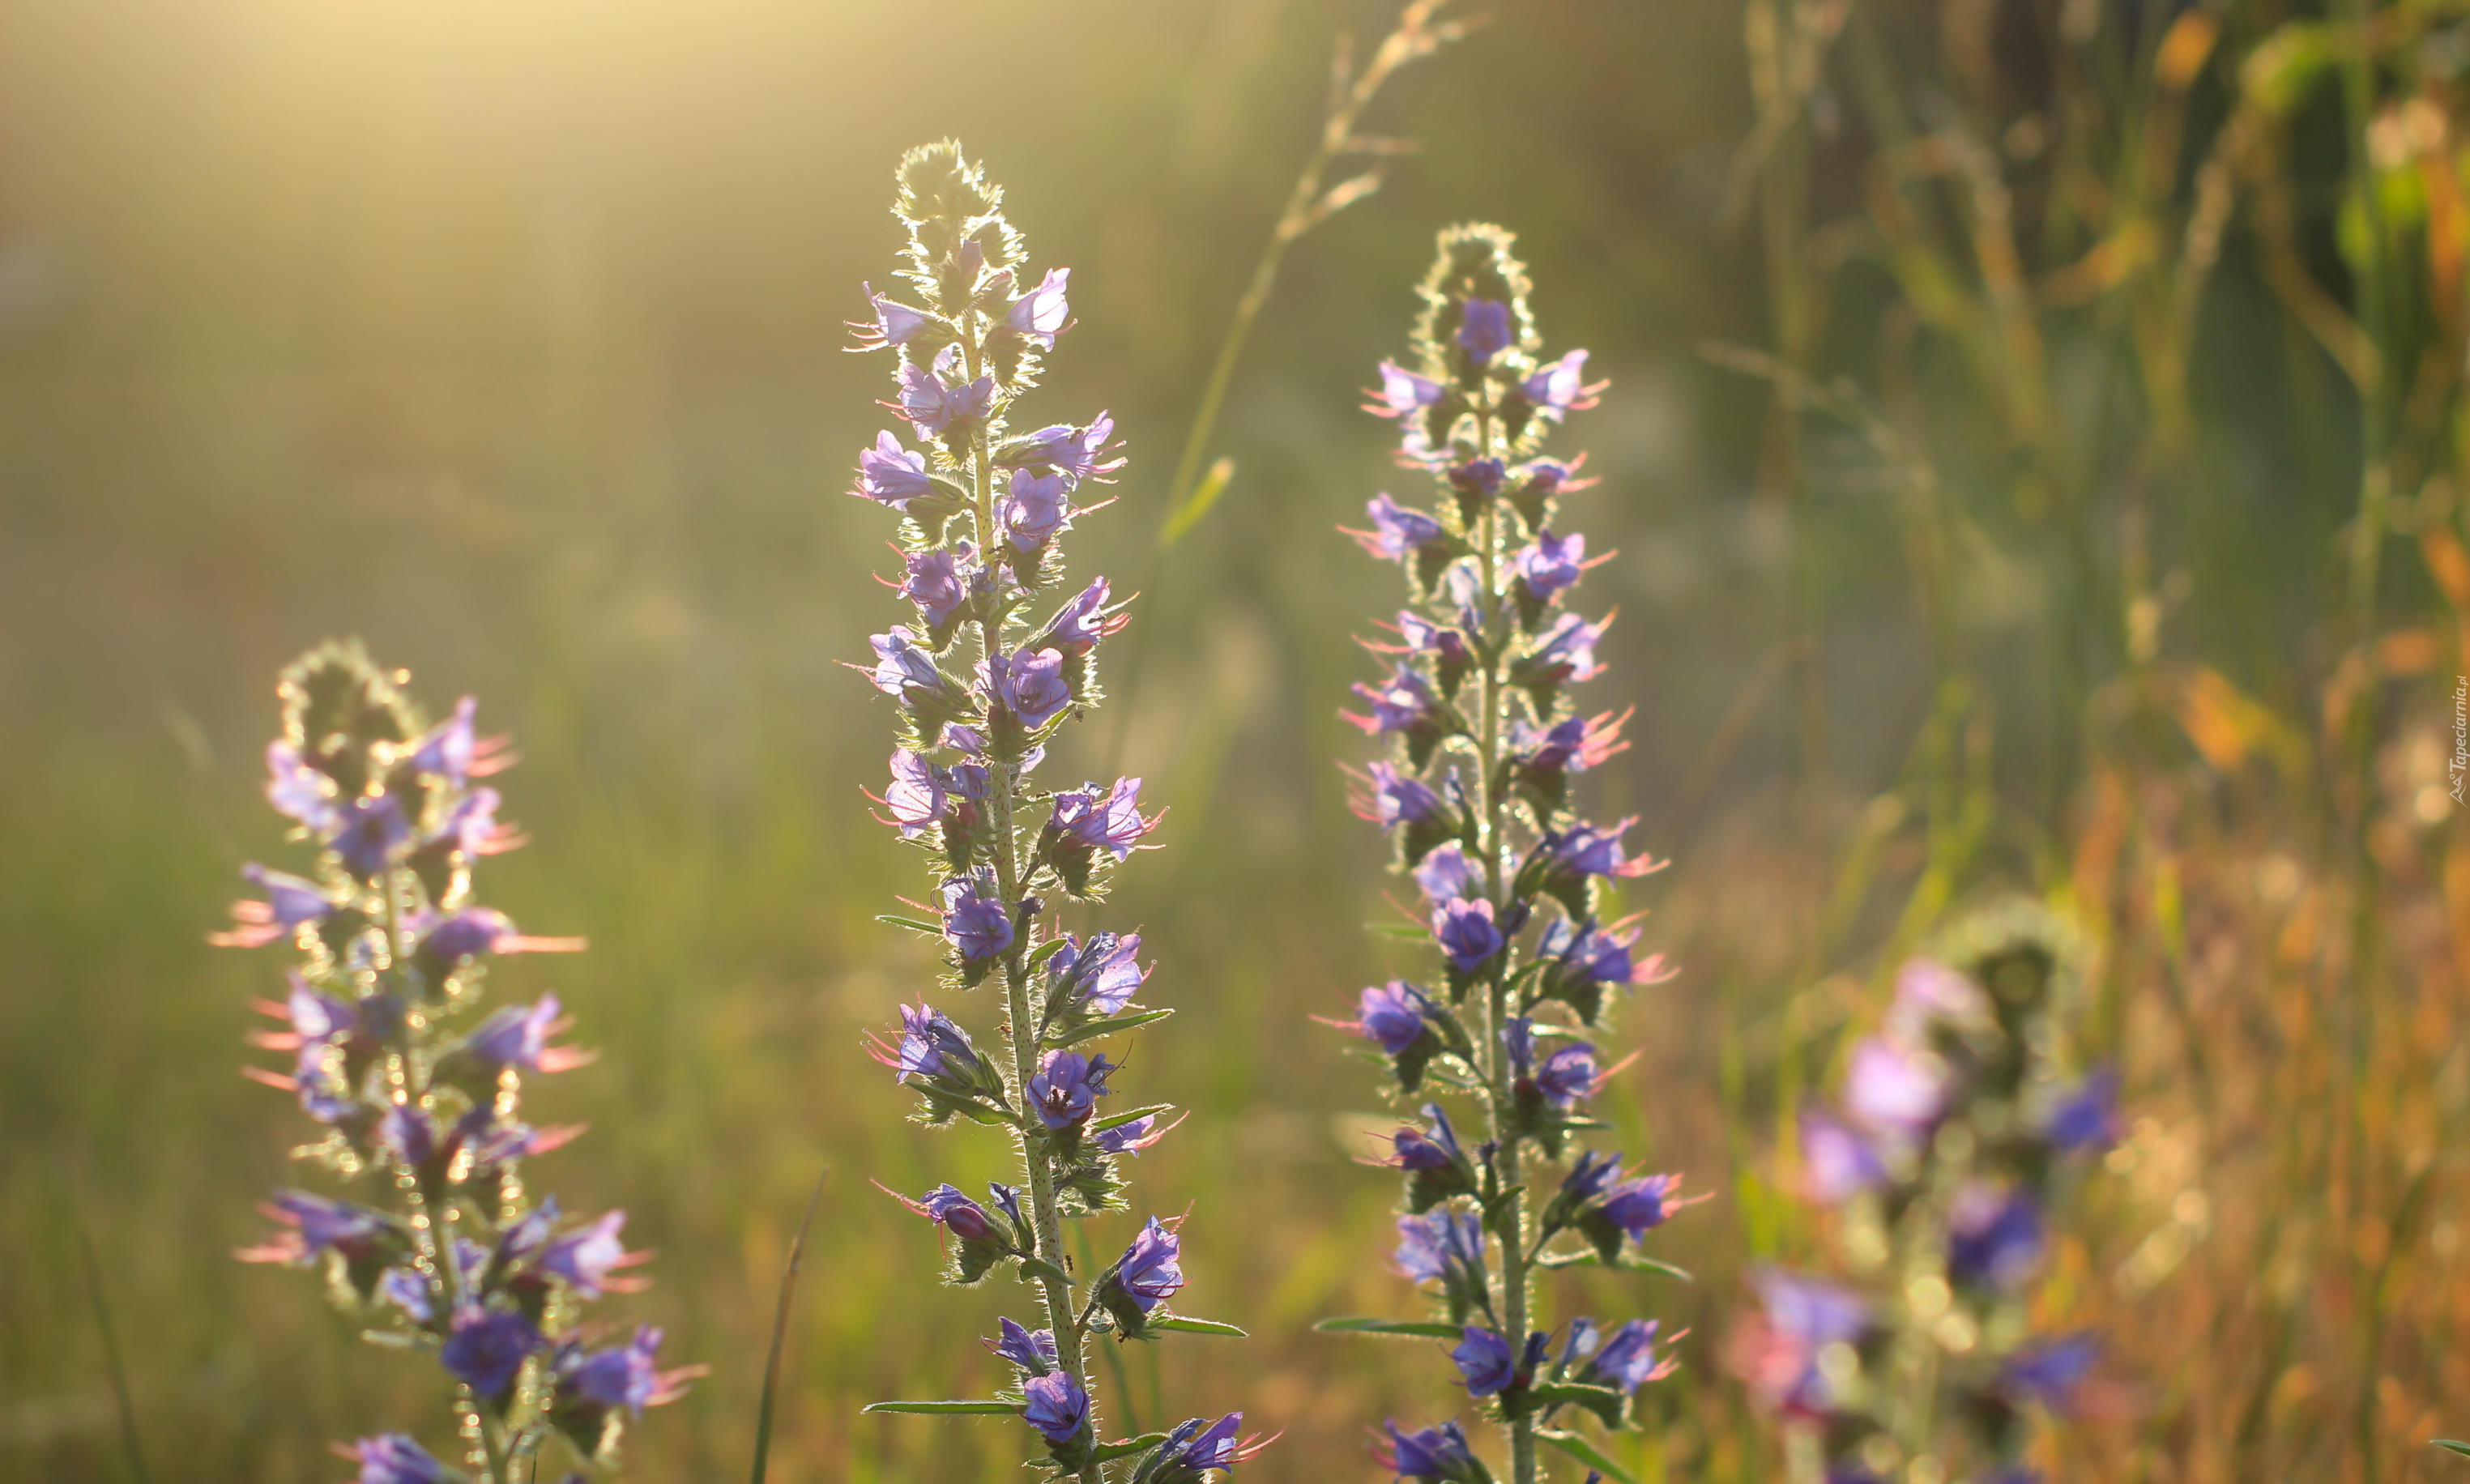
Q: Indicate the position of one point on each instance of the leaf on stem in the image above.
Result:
(1586, 1453)
(1185, 1324)
(949, 1409)
(1401, 1329)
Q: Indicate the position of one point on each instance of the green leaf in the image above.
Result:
(930, 929)
(1076, 1035)
(1122, 1448)
(1039, 1267)
(1603, 1400)
(1586, 1453)
(1118, 1119)
(1043, 952)
(2451, 1445)
(1405, 930)
(1185, 1324)
(1403, 1328)
(1632, 1264)
(1195, 505)
(949, 1409)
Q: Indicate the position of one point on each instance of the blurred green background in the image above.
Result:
(509, 338)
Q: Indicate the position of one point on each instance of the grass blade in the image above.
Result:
(989, 1408)
(111, 1354)
(1184, 1324)
(1586, 1453)
(780, 1329)
(1408, 1329)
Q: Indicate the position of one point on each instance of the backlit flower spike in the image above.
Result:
(449, 1252)
(1947, 1144)
(1481, 745)
(1003, 654)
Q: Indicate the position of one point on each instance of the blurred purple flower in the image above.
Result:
(1391, 798)
(1484, 329)
(894, 323)
(1448, 875)
(891, 474)
(1466, 933)
(1561, 387)
(395, 1458)
(1484, 1361)
(487, 1347)
(1397, 532)
(1044, 313)
(1552, 565)
(1836, 1162)
(1432, 1453)
(1893, 1092)
(1993, 1237)
(1402, 392)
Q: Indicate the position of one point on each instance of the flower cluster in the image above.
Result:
(998, 657)
(419, 1097)
(1483, 738)
(1953, 1138)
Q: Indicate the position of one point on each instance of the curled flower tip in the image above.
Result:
(892, 475)
(1561, 387)
(1077, 627)
(1389, 797)
(518, 1037)
(1032, 1349)
(1044, 313)
(1639, 1206)
(1402, 392)
(930, 1046)
(395, 1458)
(291, 904)
(1628, 1360)
(1198, 1446)
(1110, 821)
(956, 1213)
(894, 323)
(1391, 1015)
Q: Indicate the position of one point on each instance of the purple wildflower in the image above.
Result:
(1044, 313)
(1397, 532)
(1433, 1148)
(373, 830)
(1432, 1453)
(1393, 797)
(1068, 1087)
(957, 1213)
(1069, 451)
(395, 1458)
(1405, 704)
(1466, 933)
(930, 401)
(1036, 509)
(1214, 1447)
(408, 1133)
(917, 796)
(1424, 636)
(1484, 1361)
(976, 921)
(1083, 622)
(2086, 1117)
(905, 668)
(1402, 392)
(586, 1258)
(1779, 1352)
(1111, 823)
(1552, 565)
(1836, 1162)
(627, 1376)
(891, 474)
(936, 583)
(1571, 746)
(1587, 955)
(1628, 1359)
(931, 1046)
(894, 323)
(1057, 1407)
(1149, 1270)
(1639, 1206)
(1893, 1092)
(1564, 652)
(319, 1225)
(1479, 478)
(1105, 972)
(299, 792)
(1993, 1237)
(1448, 875)
(2050, 1371)
(1588, 1178)
(1391, 1014)
(1484, 329)
(1031, 686)
(1568, 1074)
(487, 1348)
(1561, 387)
(1134, 1137)
(1584, 851)
(1430, 1243)
(1032, 1349)
(518, 1037)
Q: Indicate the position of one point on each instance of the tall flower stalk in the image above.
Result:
(1483, 738)
(982, 687)
(1957, 1133)
(419, 1100)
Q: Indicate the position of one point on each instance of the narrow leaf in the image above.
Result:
(2451, 1446)
(1188, 515)
(1586, 1453)
(1405, 929)
(1402, 1327)
(1122, 1448)
(931, 929)
(1185, 1324)
(780, 1330)
(1076, 1035)
(949, 1409)
(1118, 1119)
(1039, 1267)
(1633, 1264)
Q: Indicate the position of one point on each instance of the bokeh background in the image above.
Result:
(2074, 512)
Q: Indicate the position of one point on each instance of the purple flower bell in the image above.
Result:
(916, 797)
(1552, 565)
(1391, 798)
(1484, 329)
(977, 922)
(937, 583)
(1560, 387)
(890, 473)
(1485, 1361)
(1035, 508)
(1032, 1349)
(1032, 687)
(1110, 821)
(1392, 1015)
(487, 1348)
(627, 1376)
(894, 323)
(1100, 976)
(395, 1458)
(1057, 1407)
(1044, 313)
(1432, 1453)
(1466, 931)
(1149, 1270)
(1627, 1360)
(933, 403)
(1077, 627)
(1397, 533)
(1068, 1087)
(1402, 392)
(586, 1258)
(1994, 1238)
